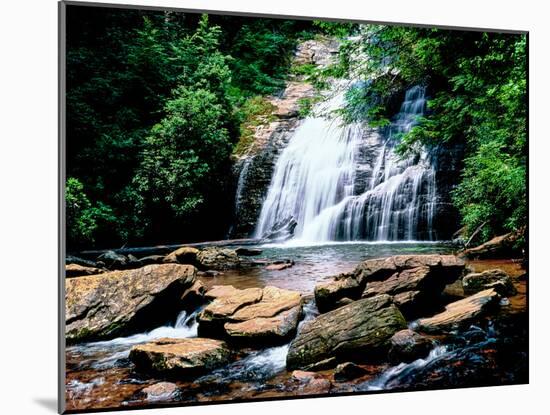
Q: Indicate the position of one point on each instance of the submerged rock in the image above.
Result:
(183, 357)
(251, 315)
(120, 302)
(75, 270)
(279, 266)
(360, 331)
(461, 312)
(407, 346)
(414, 281)
(494, 278)
(160, 391)
(303, 376)
(311, 383)
(348, 371)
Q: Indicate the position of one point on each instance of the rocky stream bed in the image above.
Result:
(220, 324)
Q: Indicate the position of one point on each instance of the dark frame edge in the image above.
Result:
(62, 5)
(286, 16)
(61, 72)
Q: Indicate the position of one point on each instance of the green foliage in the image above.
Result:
(186, 151)
(133, 80)
(335, 29)
(306, 70)
(478, 97)
(305, 105)
(83, 218)
(262, 52)
(254, 112)
(183, 151)
(492, 178)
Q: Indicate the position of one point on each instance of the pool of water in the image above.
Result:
(317, 263)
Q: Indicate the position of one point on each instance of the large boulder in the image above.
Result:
(183, 255)
(218, 259)
(360, 331)
(493, 278)
(121, 302)
(251, 315)
(180, 357)
(409, 279)
(461, 312)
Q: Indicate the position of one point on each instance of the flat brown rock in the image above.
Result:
(220, 291)
(274, 329)
(406, 280)
(225, 306)
(460, 311)
(180, 356)
(269, 315)
(120, 302)
(273, 301)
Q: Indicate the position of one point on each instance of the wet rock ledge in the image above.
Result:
(414, 282)
(120, 302)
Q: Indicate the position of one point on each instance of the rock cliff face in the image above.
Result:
(254, 169)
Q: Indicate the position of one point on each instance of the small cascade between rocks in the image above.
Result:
(316, 183)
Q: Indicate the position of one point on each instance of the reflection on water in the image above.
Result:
(317, 263)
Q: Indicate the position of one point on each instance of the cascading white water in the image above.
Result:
(314, 172)
(315, 179)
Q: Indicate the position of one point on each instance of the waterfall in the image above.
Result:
(315, 180)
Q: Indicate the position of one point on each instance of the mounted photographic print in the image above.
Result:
(275, 207)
